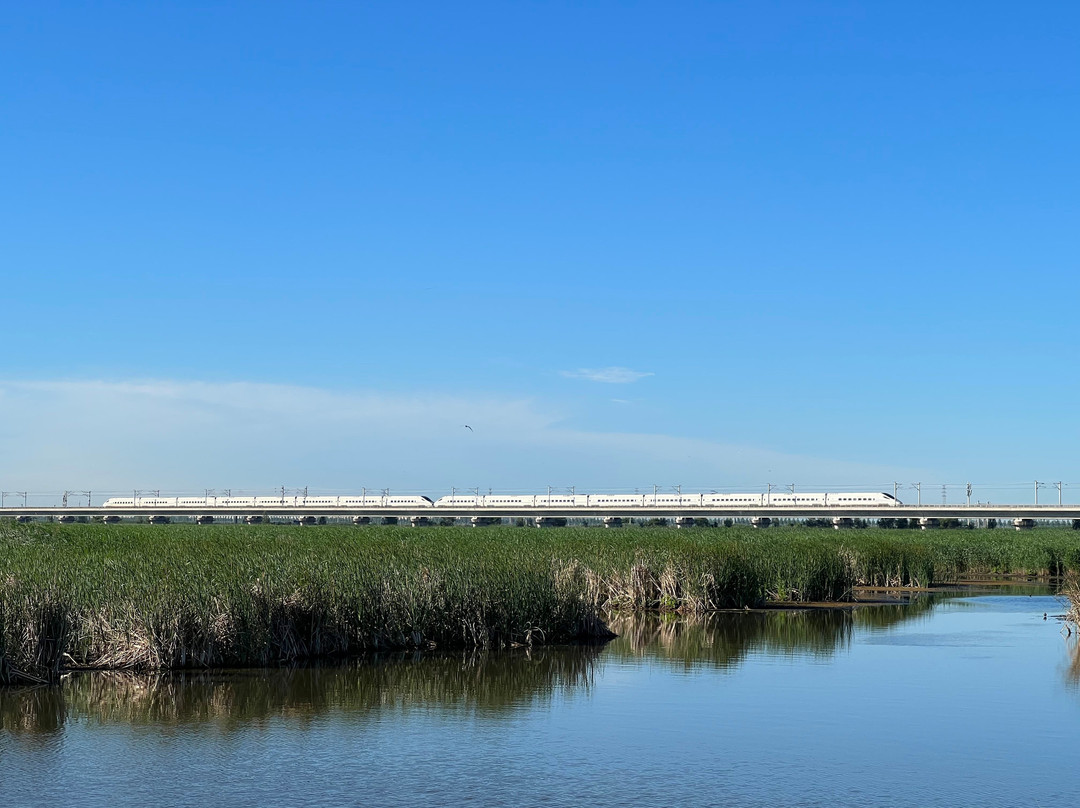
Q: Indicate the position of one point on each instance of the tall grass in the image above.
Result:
(1071, 590)
(182, 596)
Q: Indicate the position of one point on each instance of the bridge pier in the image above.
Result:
(109, 518)
(24, 518)
(65, 519)
(361, 520)
(760, 521)
(612, 521)
(419, 521)
(253, 520)
(389, 520)
(550, 521)
(157, 519)
(842, 522)
(929, 523)
(484, 521)
(205, 519)
(304, 520)
(1024, 524)
(684, 521)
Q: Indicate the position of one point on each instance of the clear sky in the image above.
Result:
(710, 244)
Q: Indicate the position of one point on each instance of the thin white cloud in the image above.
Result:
(612, 375)
(186, 436)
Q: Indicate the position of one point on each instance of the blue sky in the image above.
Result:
(828, 243)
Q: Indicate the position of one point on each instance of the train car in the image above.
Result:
(558, 500)
(277, 502)
(674, 500)
(317, 502)
(732, 500)
(862, 500)
(459, 501)
(408, 502)
(155, 502)
(363, 501)
(799, 500)
(509, 501)
(616, 500)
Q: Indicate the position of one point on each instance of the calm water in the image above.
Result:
(966, 701)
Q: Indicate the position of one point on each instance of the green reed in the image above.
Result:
(186, 596)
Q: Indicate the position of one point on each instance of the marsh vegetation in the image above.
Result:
(174, 597)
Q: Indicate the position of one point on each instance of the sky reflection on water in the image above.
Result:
(970, 701)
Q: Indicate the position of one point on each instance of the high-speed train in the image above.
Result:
(351, 501)
(507, 501)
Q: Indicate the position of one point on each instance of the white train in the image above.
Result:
(773, 500)
(505, 501)
(314, 503)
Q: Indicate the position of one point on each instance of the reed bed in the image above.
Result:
(1070, 589)
(183, 596)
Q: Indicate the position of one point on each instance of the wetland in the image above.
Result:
(964, 698)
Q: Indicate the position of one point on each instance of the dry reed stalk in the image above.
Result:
(1070, 588)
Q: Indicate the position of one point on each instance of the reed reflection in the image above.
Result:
(725, 639)
(479, 682)
(485, 683)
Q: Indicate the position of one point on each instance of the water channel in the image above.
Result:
(960, 700)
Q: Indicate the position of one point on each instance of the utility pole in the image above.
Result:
(969, 494)
(1059, 493)
(895, 488)
(918, 487)
(768, 496)
(1036, 492)
(944, 497)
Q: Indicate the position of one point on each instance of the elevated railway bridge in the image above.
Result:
(1019, 516)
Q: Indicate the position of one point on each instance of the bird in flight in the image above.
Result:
(468, 427)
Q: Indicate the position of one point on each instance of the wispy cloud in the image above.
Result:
(184, 436)
(612, 375)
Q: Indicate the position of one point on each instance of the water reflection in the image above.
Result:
(480, 682)
(483, 683)
(725, 639)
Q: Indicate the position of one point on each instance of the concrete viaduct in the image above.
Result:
(1019, 516)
